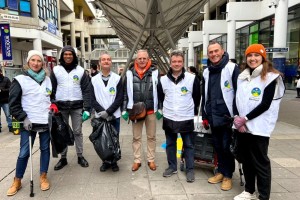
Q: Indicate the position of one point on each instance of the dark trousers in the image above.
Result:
(256, 163)
(188, 145)
(222, 137)
(298, 92)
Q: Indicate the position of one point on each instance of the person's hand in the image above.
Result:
(242, 129)
(85, 115)
(103, 114)
(239, 121)
(205, 124)
(125, 115)
(53, 108)
(27, 124)
(159, 114)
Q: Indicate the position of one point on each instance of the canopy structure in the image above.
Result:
(155, 25)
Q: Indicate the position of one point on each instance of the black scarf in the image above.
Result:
(218, 68)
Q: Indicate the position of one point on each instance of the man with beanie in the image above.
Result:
(219, 87)
(4, 93)
(71, 96)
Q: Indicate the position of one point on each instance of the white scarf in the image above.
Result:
(246, 73)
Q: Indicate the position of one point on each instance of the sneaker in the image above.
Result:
(226, 184)
(245, 196)
(190, 177)
(169, 172)
(105, 166)
(216, 179)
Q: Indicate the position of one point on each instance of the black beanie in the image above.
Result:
(71, 49)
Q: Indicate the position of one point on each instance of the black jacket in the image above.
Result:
(139, 88)
(4, 89)
(84, 84)
(215, 108)
(171, 126)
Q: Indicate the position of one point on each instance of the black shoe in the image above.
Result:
(169, 172)
(105, 166)
(61, 163)
(115, 167)
(10, 129)
(82, 161)
(190, 177)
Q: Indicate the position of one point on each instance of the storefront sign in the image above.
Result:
(277, 50)
(6, 45)
(51, 28)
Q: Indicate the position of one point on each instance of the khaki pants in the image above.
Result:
(137, 129)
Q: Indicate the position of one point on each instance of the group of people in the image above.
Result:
(249, 99)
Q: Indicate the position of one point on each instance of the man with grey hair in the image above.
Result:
(140, 85)
(180, 93)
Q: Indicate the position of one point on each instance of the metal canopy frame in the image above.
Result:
(155, 25)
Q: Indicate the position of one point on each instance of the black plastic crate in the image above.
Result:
(204, 146)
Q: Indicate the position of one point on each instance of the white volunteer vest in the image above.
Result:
(226, 85)
(129, 85)
(106, 95)
(68, 84)
(35, 98)
(178, 104)
(249, 96)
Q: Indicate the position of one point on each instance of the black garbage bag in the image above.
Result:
(105, 140)
(61, 133)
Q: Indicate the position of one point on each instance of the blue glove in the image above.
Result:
(125, 115)
(85, 115)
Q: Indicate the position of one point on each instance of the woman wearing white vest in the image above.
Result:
(29, 102)
(180, 93)
(106, 99)
(259, 91)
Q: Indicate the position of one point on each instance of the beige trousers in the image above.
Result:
(137, 129)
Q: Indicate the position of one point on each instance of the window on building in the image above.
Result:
(48, 11)
(17, 7)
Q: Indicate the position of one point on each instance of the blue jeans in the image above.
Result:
(188, 145)
(116, 124)
(5, 108)
(222, 140)
(24, 152)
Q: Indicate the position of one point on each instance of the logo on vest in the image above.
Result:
(256, 92)
(112, 91)
(48, 91)
(227, 84)
(75, 79)
(184, 91)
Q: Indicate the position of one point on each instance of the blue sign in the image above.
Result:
(51, 28)
(6, 45)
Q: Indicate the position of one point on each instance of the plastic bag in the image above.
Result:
(61, 133)
(105, 140)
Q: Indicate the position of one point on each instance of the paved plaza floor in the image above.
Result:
(75, 182)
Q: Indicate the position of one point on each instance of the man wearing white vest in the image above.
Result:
(71, 95)
(180, 93)
(219, 87)
(136, 89)
(106, 99)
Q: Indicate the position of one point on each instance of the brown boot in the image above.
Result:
(44, 182)
(14, 187)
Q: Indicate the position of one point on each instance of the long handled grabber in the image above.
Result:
(30, 157)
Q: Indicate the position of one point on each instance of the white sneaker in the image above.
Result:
(245, 196)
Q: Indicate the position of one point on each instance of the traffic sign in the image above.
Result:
(277, 50)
